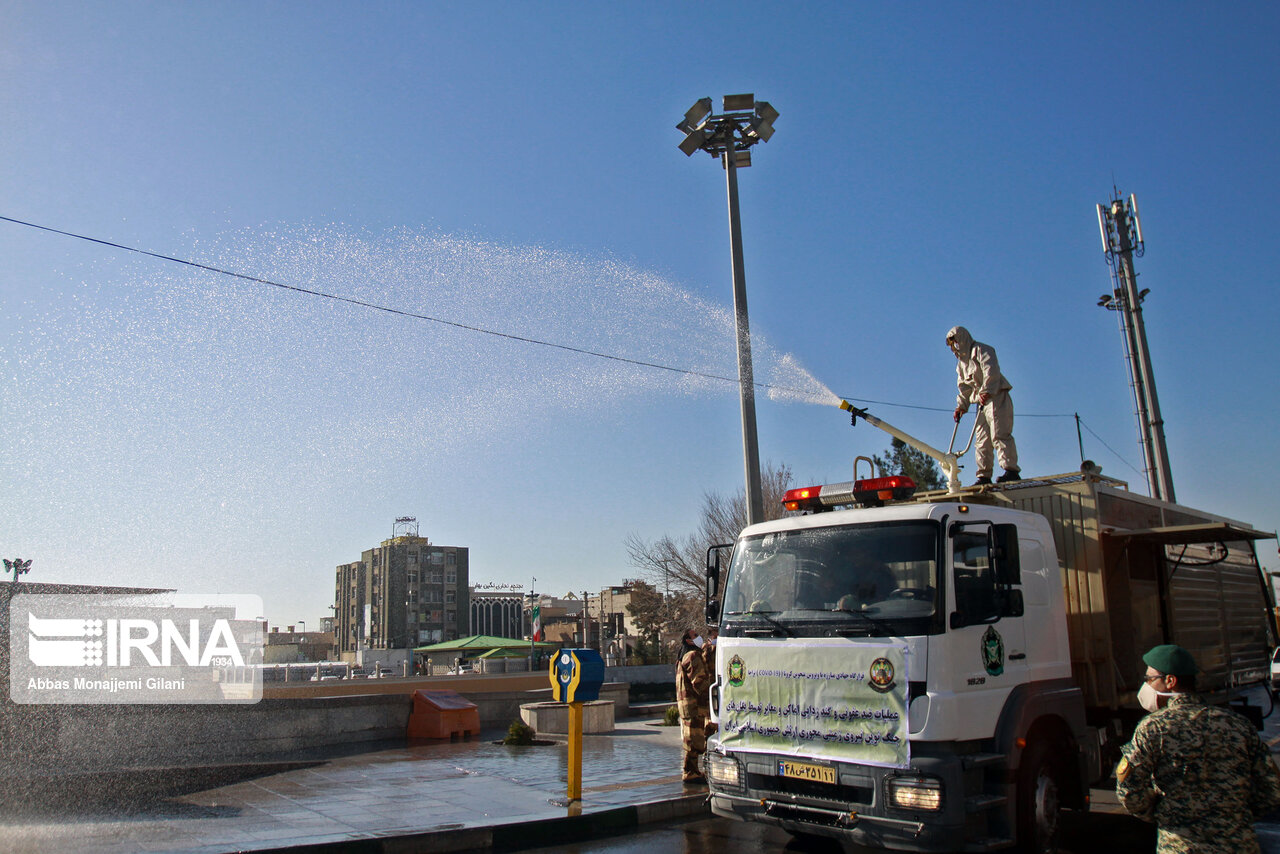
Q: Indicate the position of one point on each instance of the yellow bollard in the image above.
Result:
(575, 751)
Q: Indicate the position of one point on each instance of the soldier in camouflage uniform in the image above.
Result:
(1200, 772)
(693, 698)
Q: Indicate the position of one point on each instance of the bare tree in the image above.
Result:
(676, 568)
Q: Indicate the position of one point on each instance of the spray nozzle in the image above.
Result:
(853, 411)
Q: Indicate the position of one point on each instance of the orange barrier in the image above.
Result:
(442, 714)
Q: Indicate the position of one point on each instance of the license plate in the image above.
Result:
(805, 771)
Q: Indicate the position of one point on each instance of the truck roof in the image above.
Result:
(1151, 518)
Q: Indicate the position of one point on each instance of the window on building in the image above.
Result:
(451, 576)
(450, 596)
(451, 558)
(451, 616)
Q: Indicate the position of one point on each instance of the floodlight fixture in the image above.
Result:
(766, 112)
(736, 103)
(760, 129)
(693, 118)
(694, 141)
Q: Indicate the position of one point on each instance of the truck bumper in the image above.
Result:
(856, 808)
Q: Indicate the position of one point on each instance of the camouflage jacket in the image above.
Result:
(693, 686)
(1202, 774)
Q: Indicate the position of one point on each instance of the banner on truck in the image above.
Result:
(825, 699)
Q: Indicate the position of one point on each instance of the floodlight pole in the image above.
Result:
(742, 328)
(744, 122)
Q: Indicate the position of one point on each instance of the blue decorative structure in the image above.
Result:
(576, 675)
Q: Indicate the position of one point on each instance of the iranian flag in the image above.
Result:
(537, 623)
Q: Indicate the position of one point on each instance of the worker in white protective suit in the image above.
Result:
(980, 381)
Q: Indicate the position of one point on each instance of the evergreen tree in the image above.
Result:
(901, 458)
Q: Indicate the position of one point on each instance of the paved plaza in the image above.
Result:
(430, 797)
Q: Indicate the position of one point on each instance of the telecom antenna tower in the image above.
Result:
(1122, 239)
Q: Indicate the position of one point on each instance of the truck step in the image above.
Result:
(980, 760)
(978, 803)
(988, 844)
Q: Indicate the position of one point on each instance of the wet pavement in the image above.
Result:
(430, 796)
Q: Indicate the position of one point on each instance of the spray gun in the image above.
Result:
(950, 461)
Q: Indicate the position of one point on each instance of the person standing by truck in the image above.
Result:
(693, 699)
(1201, 773)
(980, 381)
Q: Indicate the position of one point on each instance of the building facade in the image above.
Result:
(499, 614)
(406, 592)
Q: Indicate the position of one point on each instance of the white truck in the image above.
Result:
(947, 671)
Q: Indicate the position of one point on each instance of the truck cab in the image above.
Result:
(963, 603)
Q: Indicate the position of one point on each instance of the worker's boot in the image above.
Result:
(1009, 476)
(985, 480)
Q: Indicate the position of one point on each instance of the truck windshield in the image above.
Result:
(874, 580)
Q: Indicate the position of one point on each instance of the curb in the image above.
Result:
(518, 836)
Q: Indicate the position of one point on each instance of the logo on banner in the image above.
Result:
(880, 675)
(737, 671)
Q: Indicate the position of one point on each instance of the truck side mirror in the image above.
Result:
(713, 581)
(1012, 605)
(1004, 554)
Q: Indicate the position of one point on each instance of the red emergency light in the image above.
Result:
(875, 491)
(869, 492)
(805, 498)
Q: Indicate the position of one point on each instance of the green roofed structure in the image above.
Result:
(477, 645)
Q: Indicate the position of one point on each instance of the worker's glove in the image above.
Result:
(983, 398)
(711, 728)
(960, 411)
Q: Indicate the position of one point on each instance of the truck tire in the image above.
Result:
(1039, 799)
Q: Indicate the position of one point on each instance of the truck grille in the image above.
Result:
(839, 795)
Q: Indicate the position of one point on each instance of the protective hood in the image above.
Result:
(962, 338)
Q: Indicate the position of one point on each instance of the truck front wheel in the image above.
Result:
(1039, 800)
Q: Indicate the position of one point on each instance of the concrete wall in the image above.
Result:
(646, 674)
(87, 738)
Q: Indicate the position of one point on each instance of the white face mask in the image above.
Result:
(1149, 698)
(698, 642)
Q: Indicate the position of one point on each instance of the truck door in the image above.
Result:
(988, 636)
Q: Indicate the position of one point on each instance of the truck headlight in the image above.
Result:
(724, 770)
(914, 793)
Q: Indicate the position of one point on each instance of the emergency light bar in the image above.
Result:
(870, 492)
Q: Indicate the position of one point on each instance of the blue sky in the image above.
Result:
(514, 167)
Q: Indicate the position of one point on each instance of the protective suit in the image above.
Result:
(979, 381)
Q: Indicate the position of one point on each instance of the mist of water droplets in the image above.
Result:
(150, 387)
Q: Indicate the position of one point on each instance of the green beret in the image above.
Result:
(1171, 660)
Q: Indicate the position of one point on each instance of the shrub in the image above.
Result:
(671, 717)
(519, 733)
